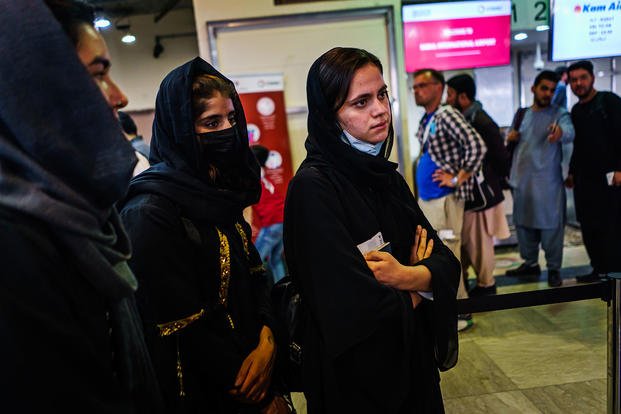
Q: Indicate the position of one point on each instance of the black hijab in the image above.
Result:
(324, 139)
(63, 157)
(64, 161)
(175, 154)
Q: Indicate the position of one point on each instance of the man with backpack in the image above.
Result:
(484, 217)
(537, 183)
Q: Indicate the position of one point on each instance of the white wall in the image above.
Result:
(135, 69)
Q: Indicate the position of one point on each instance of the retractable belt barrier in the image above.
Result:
(608, 290)
(534, 298)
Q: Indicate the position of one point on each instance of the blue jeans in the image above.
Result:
(270, 247)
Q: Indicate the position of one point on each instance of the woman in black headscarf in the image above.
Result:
(373, 345)
(71, 337)
(204, 293)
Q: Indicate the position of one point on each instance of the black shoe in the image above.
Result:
(525, 271)
(482, 291)
(590, 278)
(554, 278)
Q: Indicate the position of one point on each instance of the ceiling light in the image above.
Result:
(128, 38)
(102, 23)
(542, 28)
(520, 36)
(600, 74)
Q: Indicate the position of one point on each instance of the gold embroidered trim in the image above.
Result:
(169, 328)
(257, 269)
(225, 267)
(180, 372)
(230, 319)
(244, 238)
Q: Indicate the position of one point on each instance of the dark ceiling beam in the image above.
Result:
(168, 6)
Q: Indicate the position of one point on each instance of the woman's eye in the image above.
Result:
(99, 76)
(383, 94)
(211, 124)
(361, 103)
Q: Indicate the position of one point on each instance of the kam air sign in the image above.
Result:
(592, 8)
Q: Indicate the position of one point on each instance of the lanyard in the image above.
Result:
(430, 120)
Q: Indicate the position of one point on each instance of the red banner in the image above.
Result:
(263, 99)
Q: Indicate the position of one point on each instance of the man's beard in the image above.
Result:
(543, 103)
(585, 93)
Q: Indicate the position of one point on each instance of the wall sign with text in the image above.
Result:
(263, 99)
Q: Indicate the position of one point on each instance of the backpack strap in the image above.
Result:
(518, 118)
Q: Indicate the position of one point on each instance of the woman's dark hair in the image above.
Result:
(337, 71)
(71, 14)
(546, 75)
(205, 87)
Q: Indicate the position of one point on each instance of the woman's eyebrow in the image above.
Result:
(99, 60)
(361, 96)
(367, 94)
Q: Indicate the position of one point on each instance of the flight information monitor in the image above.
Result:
(585, 29)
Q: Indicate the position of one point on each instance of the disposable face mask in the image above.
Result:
(219, 145)
(362, 146)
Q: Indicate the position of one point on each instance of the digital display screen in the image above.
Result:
(457, 35)
(587, 29)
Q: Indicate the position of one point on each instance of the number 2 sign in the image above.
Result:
(528, 14)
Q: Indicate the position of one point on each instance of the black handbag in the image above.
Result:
(482, 193)
(288, 312)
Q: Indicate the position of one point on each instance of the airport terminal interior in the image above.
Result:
(543, 359)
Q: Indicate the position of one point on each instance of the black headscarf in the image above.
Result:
(324, 139)
(64, 161)
(63, 157)
(175, 154)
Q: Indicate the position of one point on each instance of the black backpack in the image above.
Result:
(515, 124)
(289, 317)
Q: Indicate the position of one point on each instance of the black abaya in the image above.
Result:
(366, 349)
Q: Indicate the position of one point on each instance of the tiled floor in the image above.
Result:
(544, 359)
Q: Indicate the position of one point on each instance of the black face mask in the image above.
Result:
(219, 146)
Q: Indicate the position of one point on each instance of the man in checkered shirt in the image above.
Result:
(451, 152)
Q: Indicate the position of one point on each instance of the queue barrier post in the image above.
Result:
(614, 341)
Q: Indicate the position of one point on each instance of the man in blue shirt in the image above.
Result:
(452, 151)
(560, 93)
